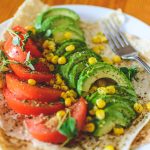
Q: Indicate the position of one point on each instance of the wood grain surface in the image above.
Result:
(137, 8)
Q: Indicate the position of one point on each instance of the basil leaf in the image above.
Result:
(129, 72)
(16, 41)
(68, 128)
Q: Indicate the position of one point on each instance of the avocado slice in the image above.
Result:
(56, 21)
(75, 72)
(98, 71)
(58, 34)
(74, 59)
(77, 43)
(55, 12)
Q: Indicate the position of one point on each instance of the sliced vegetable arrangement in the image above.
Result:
(50, 70)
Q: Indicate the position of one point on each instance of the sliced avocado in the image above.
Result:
(98, 71)
(75, 72)
(56, 21)
(112, 118)
(55, 12)
(74, 59)
(77, 43)
(58, 34)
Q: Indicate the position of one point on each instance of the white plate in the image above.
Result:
(92, 13)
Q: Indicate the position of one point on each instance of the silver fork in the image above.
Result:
(119, 43)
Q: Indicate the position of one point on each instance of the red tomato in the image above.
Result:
(25, 73)
(28, 108)
(23, 90)
(16, 52)
(40, 67)
(79, 111)
(50, 134)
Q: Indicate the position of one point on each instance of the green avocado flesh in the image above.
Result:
(81, 76)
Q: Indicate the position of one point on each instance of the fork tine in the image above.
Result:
(114, 21)
(111, 36)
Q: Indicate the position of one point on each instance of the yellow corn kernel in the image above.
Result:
(148, 106)
(111, 89)
(43, 60)
(68, 35)
(92, 112)
(100, 114)
(96, 39)
(45, 52)
(58, 80)
(107, 60)
(30, 28)
(68, 102)
(49, 57)
(89, 127)
(103, 39)
(92, 60)
(52, 46)
(70, 48)
(31, 82)
(62, 60)
(88, 118)
(45, 44)
(116, 59)
(63, 95)
(71, 93)
(51, 67)
(118, 131)
(98, 49)
(138, 107)
(54, 59)
(55, 86)
(51, 82)
(109, 147)
(102, 90)
(60, 114)
(100, 103)
(64, 87)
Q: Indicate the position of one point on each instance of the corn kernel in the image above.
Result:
(70, 48)
(118, 131)
(68, 102)
(52, 45)
(45, 52)
(100, 114)
(100, 103)
(58, 80)
(51, 67)
(51, 82)
(107, 60)
(71, 93)
(54, 59)
(148, 106)
(45, 44)
(64, 87)
(55, 86)
(109, 147)
(138, 107)
(102, 90)
(63, 95)
(96, 39)
(60, 114)
(43, 60)
(49, 57)
(62, 60)
(92, 60)
(98, 49)
(88, 118)
(31, 82)
(111, 89)
(103, 39)
(68, 35)
(89, 127)
(92, 112)
(30, 28)
(116, 59)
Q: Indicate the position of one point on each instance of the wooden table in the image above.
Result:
(137, 8)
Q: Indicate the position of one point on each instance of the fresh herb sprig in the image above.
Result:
(129, 72)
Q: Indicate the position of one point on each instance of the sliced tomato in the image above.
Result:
(79, 111)
(40, 131)
(23, 90)
(40, 67)
(24, 73)
(16, 52)
(30, 108)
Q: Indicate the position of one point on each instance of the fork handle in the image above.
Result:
(146, 66)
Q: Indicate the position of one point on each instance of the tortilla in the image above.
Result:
(10, 141)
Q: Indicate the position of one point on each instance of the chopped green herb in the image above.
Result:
(129, 72)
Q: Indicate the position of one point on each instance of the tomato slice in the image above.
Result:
(24, 73)
(40, 67)
(40, 131)
(23, 90)
(16, 52)
(30, 108)
(79, 111)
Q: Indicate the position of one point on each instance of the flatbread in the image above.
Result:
(25, 16)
